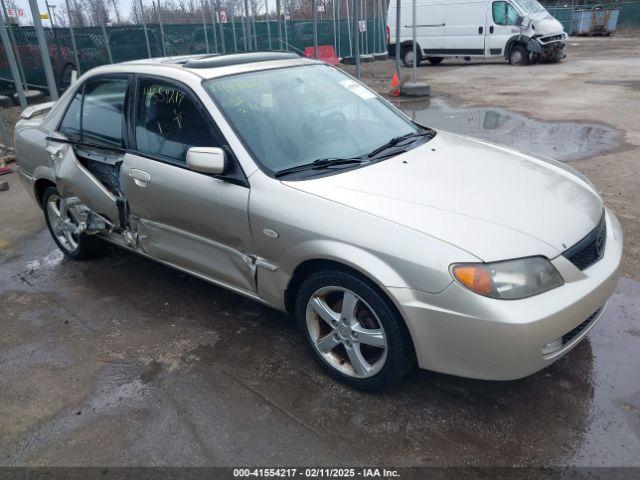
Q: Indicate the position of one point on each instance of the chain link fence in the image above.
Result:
(82, 48)
(215, 29)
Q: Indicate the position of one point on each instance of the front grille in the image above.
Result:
(576, 332)
(551, 38)
(590, 249)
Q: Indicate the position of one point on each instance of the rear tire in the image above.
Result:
(76, 246)
(407, 57)
(353, 331)
(519, 55)
(435, 60)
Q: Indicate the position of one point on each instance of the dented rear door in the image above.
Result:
(88, 149)
(74, 179)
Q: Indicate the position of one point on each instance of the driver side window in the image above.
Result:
(169, 122)
(504, 13)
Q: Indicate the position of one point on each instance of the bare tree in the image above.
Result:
(97, 11)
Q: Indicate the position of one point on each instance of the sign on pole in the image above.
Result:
(321, 8)
(15, 12)
(362, 24)
(44, 16)
(223, 16)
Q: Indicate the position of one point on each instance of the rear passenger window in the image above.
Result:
(70, 125)
(169, 122)
(504, 13)
(103, 112)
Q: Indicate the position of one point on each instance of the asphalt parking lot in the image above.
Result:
(121, 361)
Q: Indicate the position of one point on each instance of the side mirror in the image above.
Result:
(206, 160)
(519, 20)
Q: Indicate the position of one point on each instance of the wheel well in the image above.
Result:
(407, 44)
(309, 267)
(515, 40)
(41, 185)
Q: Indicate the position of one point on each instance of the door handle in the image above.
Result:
(480, 29)
(491, 29)
(140, 177)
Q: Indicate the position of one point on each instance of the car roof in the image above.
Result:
(210, 65)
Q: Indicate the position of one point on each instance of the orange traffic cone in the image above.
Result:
(395, 91)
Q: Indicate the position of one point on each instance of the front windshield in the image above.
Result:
(531, 7)
(294, 116)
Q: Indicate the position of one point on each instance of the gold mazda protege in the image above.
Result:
(288, 181)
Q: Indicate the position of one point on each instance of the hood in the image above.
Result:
(546, 25)
(494, 202)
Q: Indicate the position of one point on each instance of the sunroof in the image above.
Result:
(212, 61)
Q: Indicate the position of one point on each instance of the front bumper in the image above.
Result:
(461, 333)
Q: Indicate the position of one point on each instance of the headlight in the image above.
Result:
(508, 280)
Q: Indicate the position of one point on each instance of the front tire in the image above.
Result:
(353, 331)
(77, 246)
(519, 55)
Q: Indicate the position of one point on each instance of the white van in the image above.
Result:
(519, 30)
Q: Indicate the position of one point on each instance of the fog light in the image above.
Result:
(552, 346)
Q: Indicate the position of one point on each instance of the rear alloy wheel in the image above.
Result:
(352, 331)
(63, 227)
(519, 55)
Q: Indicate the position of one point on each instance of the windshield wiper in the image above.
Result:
(319, 164)
(396, 140)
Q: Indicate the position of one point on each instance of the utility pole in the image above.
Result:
(266, 7)
(414, 88)
(224, 47)
(204, 26)
(253, 22)
(284, 23)
(398, 3)
(164, 48)
(314, 5)
(73, 39)
(247, 25)
(50, 9)
(44, 50)
(278, 14)
(214, 15)
(356, 34)
(144, 26)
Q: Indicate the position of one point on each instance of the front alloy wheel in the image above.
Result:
(346, 332)
(353, 330)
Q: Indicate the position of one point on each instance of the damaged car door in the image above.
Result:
(88, 151)
(190, 219)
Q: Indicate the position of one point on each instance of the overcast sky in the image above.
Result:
(123, 5)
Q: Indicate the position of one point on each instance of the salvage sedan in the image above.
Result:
(288, 181)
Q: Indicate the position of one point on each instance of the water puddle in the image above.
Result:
(559, 140)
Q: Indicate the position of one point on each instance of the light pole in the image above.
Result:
(314, 6)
